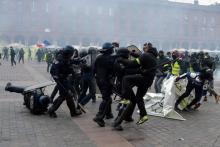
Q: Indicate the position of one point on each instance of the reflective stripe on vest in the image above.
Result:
(138, 61)
(167, 70)
(175, 69)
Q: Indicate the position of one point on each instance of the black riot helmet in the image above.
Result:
(123, 52)
(92, 50)
(44, 100)
(83, 53)
(107, 48)
(68, 52)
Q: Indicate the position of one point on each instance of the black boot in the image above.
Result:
(109, 116)
(77, 113)
(117, 127)
(52, 114)
(99, 121)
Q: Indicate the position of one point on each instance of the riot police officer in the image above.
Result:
(61, 71)
(103, 69)
(145, 67)
(88, 80)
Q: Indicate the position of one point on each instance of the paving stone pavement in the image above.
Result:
(19, 128)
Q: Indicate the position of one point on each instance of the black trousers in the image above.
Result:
(13, 61)
(88, 83)
(105, 88)
(15, 89)
(77, 83)
(21, 58)
(65, 93)
(198, 93)
(142, 83)
(5, 57)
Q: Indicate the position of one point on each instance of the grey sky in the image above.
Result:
(202, 2)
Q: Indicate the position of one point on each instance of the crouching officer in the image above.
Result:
(61, 71)
(103, 70)
(145, 67)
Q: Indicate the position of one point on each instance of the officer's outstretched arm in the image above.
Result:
(130, 63)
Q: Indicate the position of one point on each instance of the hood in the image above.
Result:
(153, 51)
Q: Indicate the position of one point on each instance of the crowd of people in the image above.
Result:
(117, 70)
(13, 55)
(18, 55)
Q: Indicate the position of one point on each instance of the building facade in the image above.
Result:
(166, 24)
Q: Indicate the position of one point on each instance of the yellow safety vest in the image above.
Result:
(175, 69)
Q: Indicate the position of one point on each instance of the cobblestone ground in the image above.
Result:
(19, 128)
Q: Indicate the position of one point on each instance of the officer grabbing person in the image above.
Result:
(145, 66)
(61, 71)
(120, 70)
(103, 70)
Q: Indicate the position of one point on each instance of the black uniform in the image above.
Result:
(143, 79)
(12, 53)
(62, 71)
(21, 55)
(88, 82)
(103, 69)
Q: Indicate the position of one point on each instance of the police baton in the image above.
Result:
(75, 99)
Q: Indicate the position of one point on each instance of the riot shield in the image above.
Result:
(135, 50)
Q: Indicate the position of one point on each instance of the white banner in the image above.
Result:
(162, 104)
